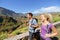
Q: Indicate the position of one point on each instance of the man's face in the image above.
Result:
(28, 16)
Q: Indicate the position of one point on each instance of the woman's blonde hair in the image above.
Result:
(48, 16)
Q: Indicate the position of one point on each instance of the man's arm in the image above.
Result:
(35, 25)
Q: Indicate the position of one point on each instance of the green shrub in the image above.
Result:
(16, 32)
(56, 19)
(19, 31)
(3, 36)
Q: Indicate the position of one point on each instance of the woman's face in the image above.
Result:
(42, 18)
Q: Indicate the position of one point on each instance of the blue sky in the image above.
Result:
(31, 5)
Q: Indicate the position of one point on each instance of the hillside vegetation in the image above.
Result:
(12, 24)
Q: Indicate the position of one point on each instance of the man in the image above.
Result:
(32, 25)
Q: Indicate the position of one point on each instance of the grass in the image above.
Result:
(19, 31)
(3, 36)
(55, 19)
(58, 29)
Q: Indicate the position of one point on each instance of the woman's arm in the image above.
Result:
(54, 32)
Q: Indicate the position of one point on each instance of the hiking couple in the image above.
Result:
(46, 30)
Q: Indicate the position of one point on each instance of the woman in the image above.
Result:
(46, 27)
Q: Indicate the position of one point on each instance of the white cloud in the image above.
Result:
(48, 9)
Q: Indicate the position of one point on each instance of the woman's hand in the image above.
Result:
(47, 35)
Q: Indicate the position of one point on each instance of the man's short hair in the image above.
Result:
(30, 14)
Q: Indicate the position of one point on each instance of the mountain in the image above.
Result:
(9, 19)
(53, 13)
(10, 13)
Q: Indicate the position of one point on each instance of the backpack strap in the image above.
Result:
(49, 28)
(33, 24)
(33, 19)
